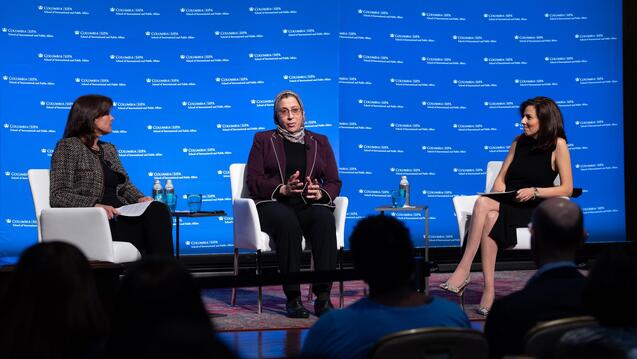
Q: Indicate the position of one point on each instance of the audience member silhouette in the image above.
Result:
(554, 291)
(159, 314)
(51, 308)
(609, 294)
(384, 255)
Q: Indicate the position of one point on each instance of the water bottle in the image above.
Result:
(158, 191)
(404, 190)
(171, 198)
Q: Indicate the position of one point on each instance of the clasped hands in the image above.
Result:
(295, 186)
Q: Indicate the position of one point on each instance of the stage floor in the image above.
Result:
(272, 335)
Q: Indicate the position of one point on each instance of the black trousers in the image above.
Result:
(286, 225)
(151, 233)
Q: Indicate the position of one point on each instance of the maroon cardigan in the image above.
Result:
(266, 166)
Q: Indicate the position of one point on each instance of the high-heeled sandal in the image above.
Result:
(483, 311)
(456, 290)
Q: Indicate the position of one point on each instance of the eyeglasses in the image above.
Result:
(293, 111)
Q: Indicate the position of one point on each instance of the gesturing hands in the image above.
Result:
(313, 189)
(295, 186)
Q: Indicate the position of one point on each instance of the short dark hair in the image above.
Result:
(551, 121)
(559, 224)
(51, 307)
(611, 286)
(159, 302)
(81, 120)
(383, 252)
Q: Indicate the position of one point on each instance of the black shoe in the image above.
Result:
(295, 309)
(322, 306)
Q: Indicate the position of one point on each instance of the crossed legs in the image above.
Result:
(484, 216)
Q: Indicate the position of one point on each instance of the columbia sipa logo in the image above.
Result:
(150, 174)
(182, 10)
(112, 9)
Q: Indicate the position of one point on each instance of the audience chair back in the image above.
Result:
(85, 227)
(433, 343)
(542, 339)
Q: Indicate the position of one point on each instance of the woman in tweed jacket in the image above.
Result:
(87, 172)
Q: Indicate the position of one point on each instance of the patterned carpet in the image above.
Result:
(244, 317)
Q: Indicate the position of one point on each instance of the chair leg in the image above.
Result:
(309, 288)
(233, 301)
(462, 300)
(260, 291)
(341, 297)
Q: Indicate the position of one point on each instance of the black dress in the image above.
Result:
(531, 167)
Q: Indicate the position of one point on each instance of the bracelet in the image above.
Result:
(535, 193)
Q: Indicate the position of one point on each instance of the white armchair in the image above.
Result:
(85, 227)
(463, 207)
(247, 229)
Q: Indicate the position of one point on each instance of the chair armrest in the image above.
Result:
(85, 227)
(247, 228)
(340, 213)
(463, 207)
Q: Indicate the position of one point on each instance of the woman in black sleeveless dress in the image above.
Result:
(534, 160)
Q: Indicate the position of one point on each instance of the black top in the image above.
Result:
(530, 167)
(111, 180)
(296, 160)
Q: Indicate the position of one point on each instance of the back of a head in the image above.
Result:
(611, 287)
(51, 306)
(557, 227)
(159, 312)
(383, 252)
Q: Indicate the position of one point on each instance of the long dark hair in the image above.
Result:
(81, 120)
(51, 308)
(551, 122)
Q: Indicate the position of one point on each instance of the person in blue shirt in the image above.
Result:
(384, 255)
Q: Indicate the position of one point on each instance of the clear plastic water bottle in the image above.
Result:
(404, 190)
(171, 198)
(158, 192)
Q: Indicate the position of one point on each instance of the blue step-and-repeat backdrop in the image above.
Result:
(429, 90)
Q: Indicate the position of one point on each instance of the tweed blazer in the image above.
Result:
(77, 178)
(267, 161)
